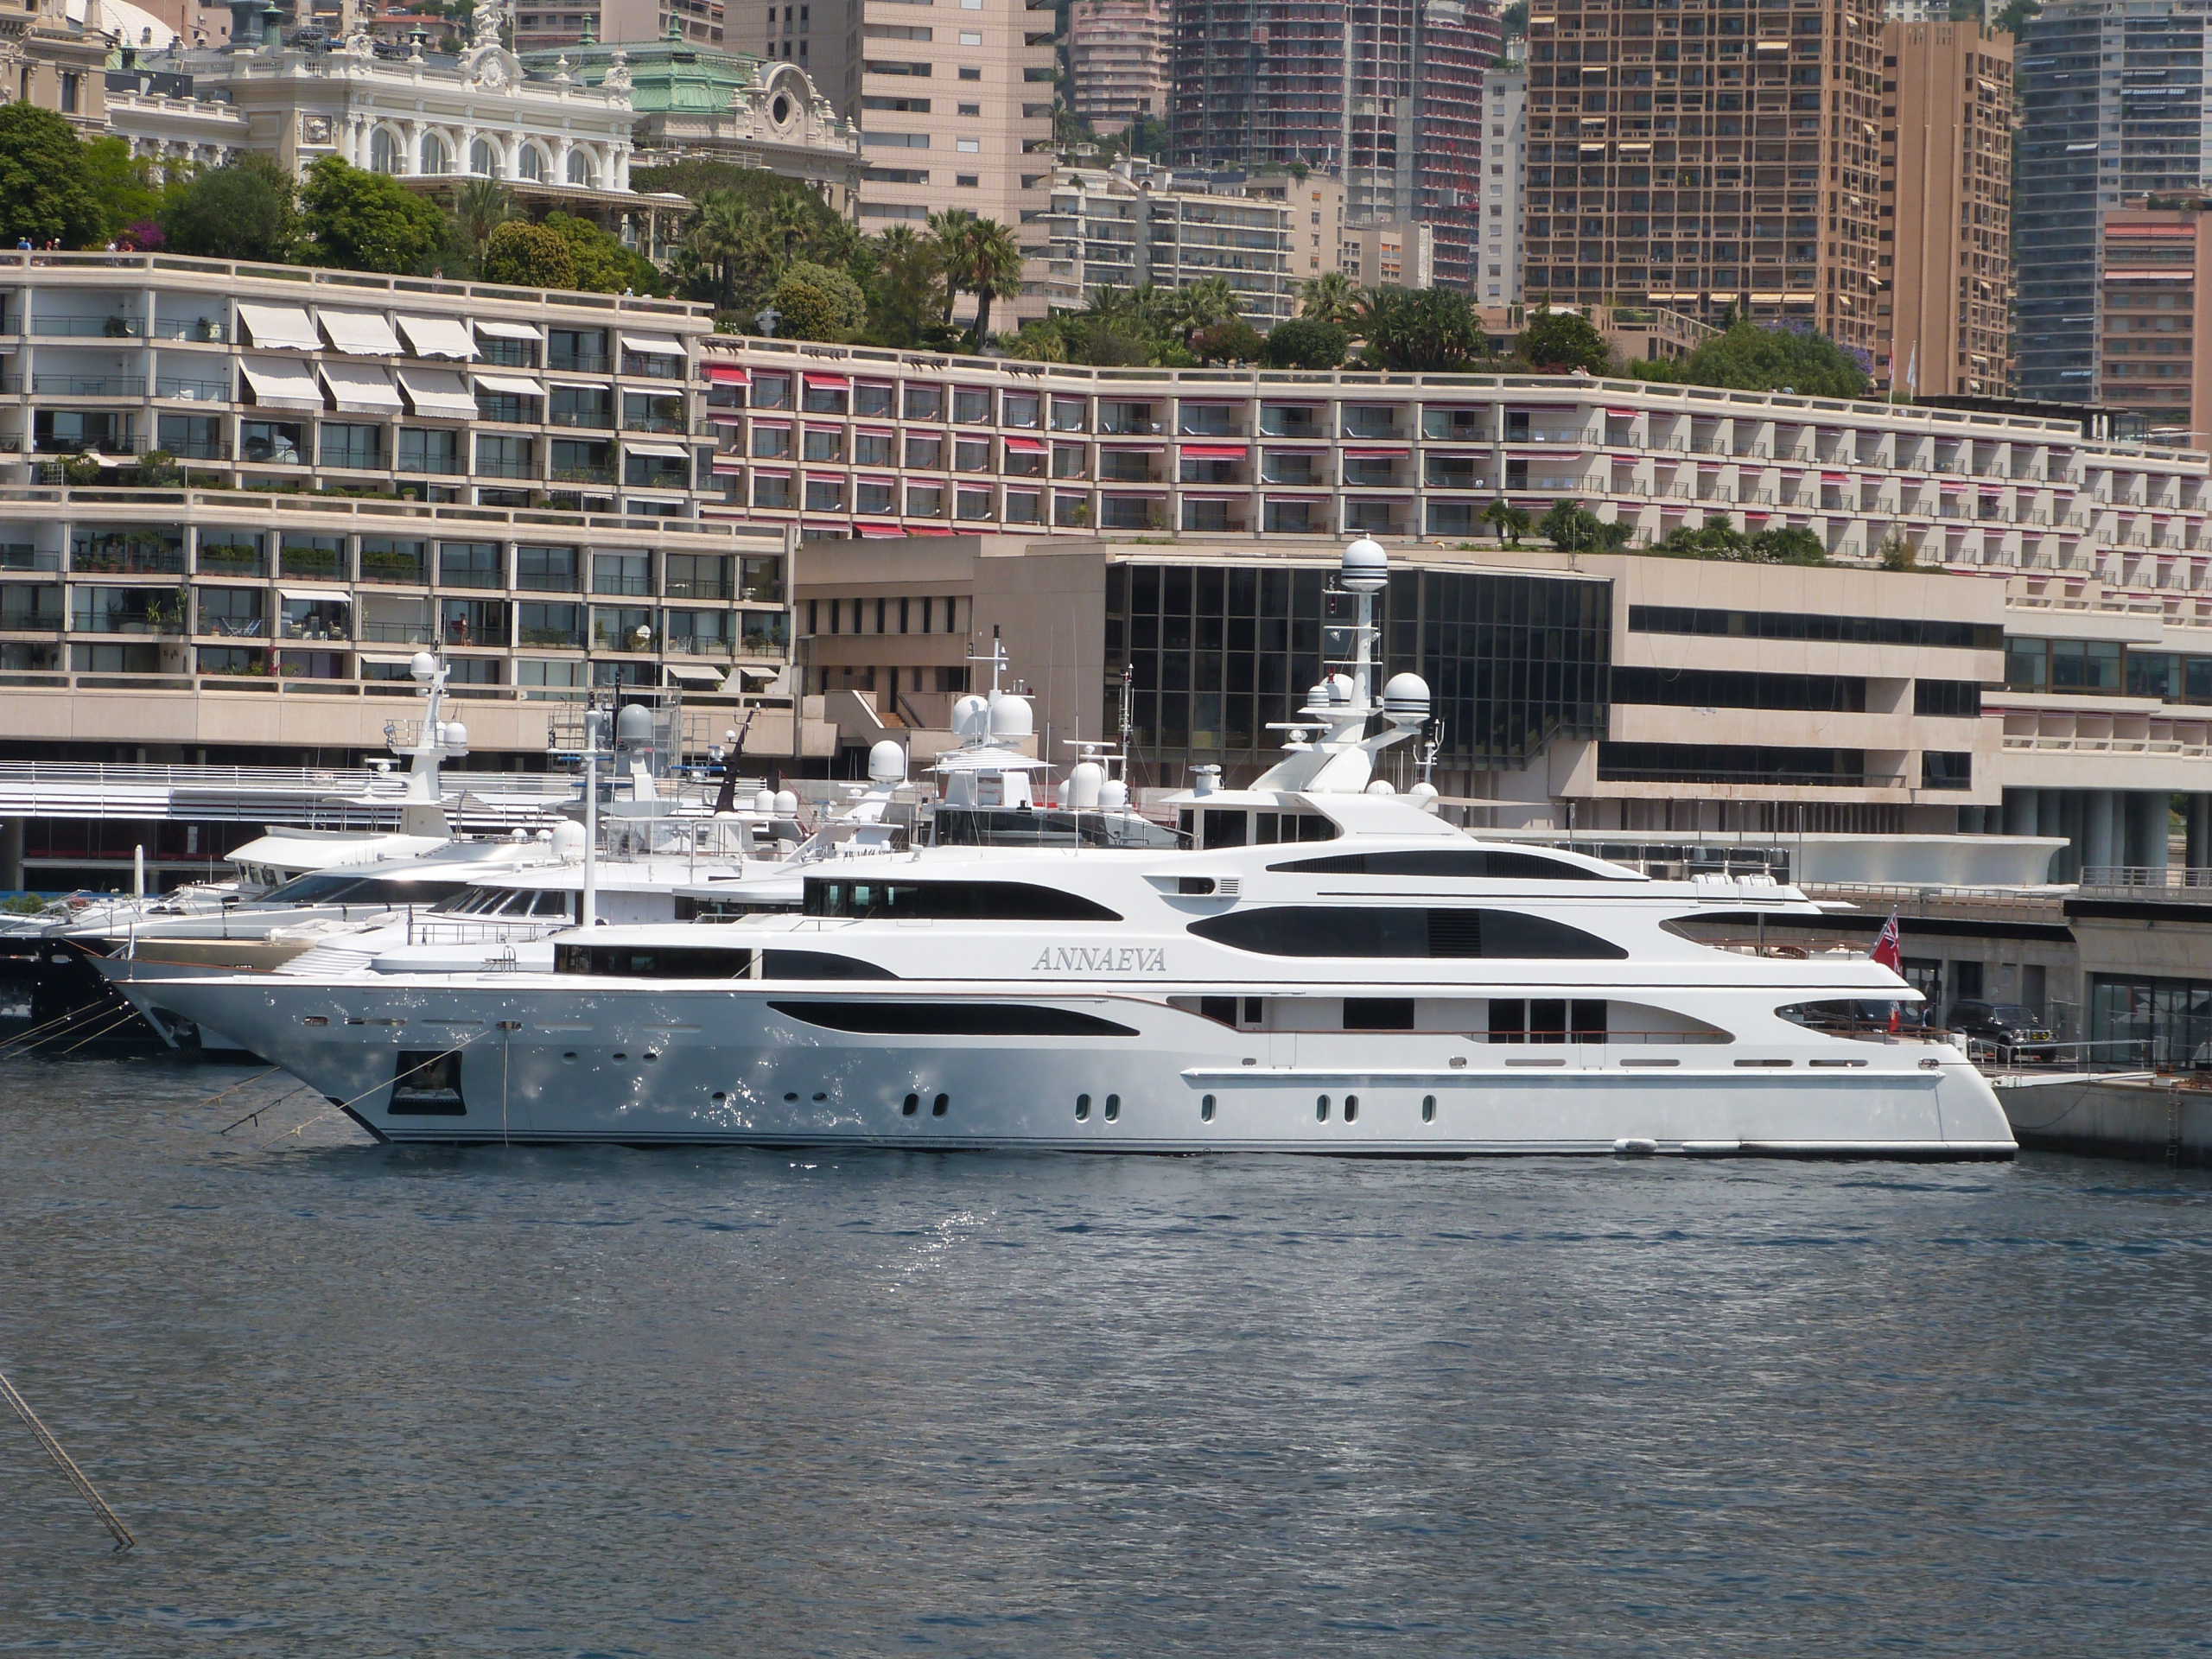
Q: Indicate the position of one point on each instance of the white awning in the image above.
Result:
(279, 384)
(665, 451)
(506, 330)
(653, 345)
(397, 658)
(315, 595)
(280, 328)
(694, 673)
(438, 393)
(438, 337)
(360, 334)
(360, 388)
(514, 385)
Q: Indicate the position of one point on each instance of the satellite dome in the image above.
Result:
(1011, 720)
(518, 833)
(567, 839)
(764, 801)
(454, 736)
(634, 725)
(545, 836)
(1085, 779)
(1382, 787)
(1318, 696)
(423, 665)
(1405, 697)
(786, 803)
(1113, 796)
(886, 763)
(1340, 687)
(1423, 794)
(971, 717)
(1366, 568)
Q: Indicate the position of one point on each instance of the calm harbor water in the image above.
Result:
(355, 1401)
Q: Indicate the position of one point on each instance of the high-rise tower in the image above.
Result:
(1716, 156)
(1388, 96)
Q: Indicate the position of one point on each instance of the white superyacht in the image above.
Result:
(1338, 972)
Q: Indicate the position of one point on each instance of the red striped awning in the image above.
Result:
(1219, 451)
(1024, 446)
(879, 532)
(1352, 453)
(728, 374)
(726, 416)
(829, 382)
(928, 529)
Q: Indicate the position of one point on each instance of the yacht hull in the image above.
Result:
(536, 1059)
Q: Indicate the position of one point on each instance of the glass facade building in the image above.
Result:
(1216, 652)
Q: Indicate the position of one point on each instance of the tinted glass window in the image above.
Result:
(1463, 862)
(1010, 901)
(954, 1020)
(1388, 930)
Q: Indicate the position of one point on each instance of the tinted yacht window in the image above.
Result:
(1000, 901)
(1465, 863)
(1392, 930)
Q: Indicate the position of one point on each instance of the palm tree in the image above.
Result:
(788, 225)
(948, 234)
(480, 207)
(907, 279)
(992, 261)
(1331, 298)
(1200, 305)
(724, 232)
(1512, 522)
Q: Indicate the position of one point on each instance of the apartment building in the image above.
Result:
(2096, 555)
(1505, 177)
(1399, 253)
(1117, 62)
(1709, 158)
(328, 471)
(1129, 224)
(955, 110)
(2152, 346)
(1389, 98)
(1316, 202)
(1945, 259)
(2112, 102)
(541, 25)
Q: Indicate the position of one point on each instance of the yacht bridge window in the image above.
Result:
(1389, 931)
(1237, 826)
(963, 901)
(1454, 862)
(325, 887)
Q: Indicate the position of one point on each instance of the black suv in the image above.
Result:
(2009, 1025)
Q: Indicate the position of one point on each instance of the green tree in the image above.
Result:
(804, 311)
(1234, 341)
(479, 208)
(2014, 17)
(1717, 538)
(1572, 528)
(907, 282)
(44, 192)
(1555, 340)
(519, 254)
(1303, 343)
(948, 234)
(988, 259)
(1768, 360)
(362, 220)
(1510, 522)
(1331, 298)
(122, 183)
(724, 235)
(1422, 331)
(1202, 304)
(1897, 552)
(847, 305)
(241, 210)
(602, 265)
(1784, 545)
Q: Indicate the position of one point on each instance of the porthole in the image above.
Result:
(1321, 1109)
(1351, 1109)
(1082, 1108)
(786, 1097)
(571, 1055)
(1113, 1109)
(1428, 1109)
(652, 1053)
(621, 1056)
(1205, 1109)
(940, 1105)
(819, 1098)
(912, 1104)
(720, 1097)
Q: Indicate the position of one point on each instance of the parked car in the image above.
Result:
(2009, 1025)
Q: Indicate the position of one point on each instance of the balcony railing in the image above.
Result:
(20, 556)
(493, 469)
(128, 560)
(589, 420)
(389, 567)
(116, 622)
(88, 327)
(396, 633)
(192, 391)
(578, 362)
(89, 385)
(208, 330)
(653, 423)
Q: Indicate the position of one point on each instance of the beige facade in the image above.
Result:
(1131, 224)
(1947, 211)
(1315, 226)
(1117, 60)
(1505, 175)
(955, 105)
(1396, 253)
(50, 61)
(2154, 351)
(1707, 159)
(325, 471)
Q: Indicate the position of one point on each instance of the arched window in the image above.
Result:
(532, 163)
(383, 152)
(483, 159)
(580, 170)
(434, 153)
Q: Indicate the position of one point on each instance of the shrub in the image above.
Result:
(1302, 343)
(522, 255)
